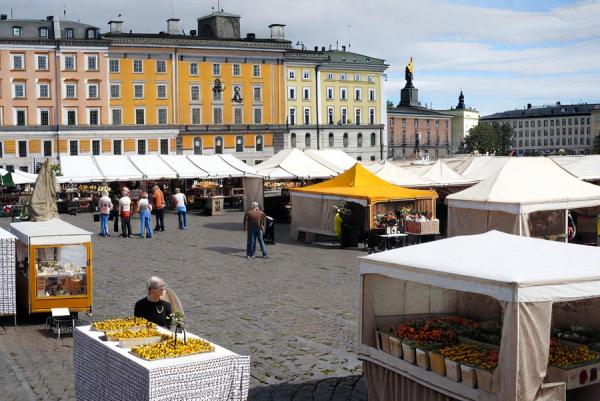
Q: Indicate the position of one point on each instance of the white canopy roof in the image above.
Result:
(483, 167)
(525, 185)
(215, 166)
(118, 168)
(529, 270)
(6, 235)
(442, 175)
(334, 159)
(79, 169)
(582, 167)
(398, 175)
(296, 163)
(239, 165)
(50, 232)
(183, 166)
(153, 167)
(20, 177)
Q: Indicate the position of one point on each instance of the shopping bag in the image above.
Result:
(96, 217)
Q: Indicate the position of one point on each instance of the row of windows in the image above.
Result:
(417, 122)
(555, 122)
(160, 67)
(331, 118)
(564, 131)
(306, 75)
(330, 93)
(19, 90)
(331, 140)
(22, 149)
(41, 62)
(426, 138)
(69, 33)
(218, 146)
(559, 141)
(43, 116)
(117, 147)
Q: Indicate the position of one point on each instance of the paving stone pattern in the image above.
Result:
(294, 313)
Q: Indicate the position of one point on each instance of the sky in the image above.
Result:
(503, 54)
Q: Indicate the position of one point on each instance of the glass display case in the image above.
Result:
(61, 270)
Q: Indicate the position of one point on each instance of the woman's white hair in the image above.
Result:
(154, 282)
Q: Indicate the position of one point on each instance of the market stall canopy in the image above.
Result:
(582, 167)
(360, 184)
(443, 176)
(296, 163)
(482, 167)
(239, 165)
(334, 159)
(183, 166)
(215, 166)
(531, 270)
(153, 167)
(118, 168)
(76, 169)
(525, 185)
(398, 175)
(19, 177)
(49, 232)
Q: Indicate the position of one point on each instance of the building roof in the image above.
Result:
(219, 14)
(340, 56)
(151, 39)
(421, 111)
(546, 111)
(30, 29)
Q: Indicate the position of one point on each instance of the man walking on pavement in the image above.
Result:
(254, 224)
(158, 199)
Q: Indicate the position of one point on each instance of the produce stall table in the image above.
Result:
(104, 371)
(8, 291)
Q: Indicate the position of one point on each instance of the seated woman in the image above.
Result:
(152, 307)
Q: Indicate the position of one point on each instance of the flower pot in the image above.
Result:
(395, 346)
(422, 359)
(452, 370)
(485, 380)
(468, 376)
(437, 363)
(408, 353)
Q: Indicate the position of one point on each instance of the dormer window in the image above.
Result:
(17, 31)
(91, 33)
(69, 33)
(43, 32)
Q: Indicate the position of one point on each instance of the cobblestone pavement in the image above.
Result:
(294, 313)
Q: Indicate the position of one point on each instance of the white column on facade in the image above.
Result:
(383, 116)
(319, 101)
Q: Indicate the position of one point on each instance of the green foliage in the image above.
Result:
(390, 104)
(489, 138)
(596, 145)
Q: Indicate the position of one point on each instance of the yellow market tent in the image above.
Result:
(312, 206)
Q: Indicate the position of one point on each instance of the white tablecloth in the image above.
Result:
(104, 371)
(8, 293)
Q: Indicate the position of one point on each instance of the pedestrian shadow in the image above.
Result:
(227, 250)
(225, 226)
(351, 388)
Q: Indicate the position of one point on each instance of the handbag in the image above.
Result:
(96, 217)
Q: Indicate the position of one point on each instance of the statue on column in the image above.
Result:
(408, 74)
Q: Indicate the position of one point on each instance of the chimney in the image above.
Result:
(173, 26)
(3, 17)
(116, 26)
(316, 48)
(193, 32)
(250, 36)
(322, 48)
(558, 103)
(343, 48)
(528, 106)
(50, 18)
(277, 31)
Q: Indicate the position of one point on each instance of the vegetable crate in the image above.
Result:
(427, 227)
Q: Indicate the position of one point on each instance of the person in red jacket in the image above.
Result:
(158, 199)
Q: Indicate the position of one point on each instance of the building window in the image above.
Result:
(195, 115)
(18, 61)
(161, 66)
(306, 116)
(193, 68)
(197, 146)
(372, 116)
(217, 115)
(307, 140)
(330, 116)
(238, 115)
(357, 116)
(138, 91)
(164, 146)
(141, 147)
(331, 139)
(292, 118)
(69, 33)
(44, 117)
(116, 116)
(73, 148)
(344, 114)
(345, 140)
(291, 74)
(343, 77)
(21, 117)
(19, 90)
(256, 70)
(161, 91)
(306, 93)
(92, 91)
(71, 117)
(216, 69)
(70, 63)
(93, 117)
(372, 95)
(293, 140)
(343, 94)
(372, 158)
(163, 113)
(305, 74)
(43, 91)
(236, 70)
(70, 91)
(43, 32)
(219, 145)
(291, 92)
(95, 147)
(239, 143)
(22, 148)
(257, 115)
(259, 143)
(117, 147)
(91, 33)
(114, 66)
(257, 94)
(359, 140)
(329, 93)
(217, 96)
(357, 94)
(138, 66)
(195, 93)
(330, 77)
(42, 62)
(115, 91)
(140, 116)
(47, 148)
(17, 31)
(92, 63)
(373, 139)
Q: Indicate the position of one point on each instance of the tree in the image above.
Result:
(596, 146)
(505, 134)
(482, 138)
(390, 104)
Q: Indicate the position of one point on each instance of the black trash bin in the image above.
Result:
(269, 236)
(350, 236)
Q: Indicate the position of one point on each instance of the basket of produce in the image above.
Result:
(485, 371)
(576, 365)
(132, 338)
(111, 326)
(172, 349)
(462, 360)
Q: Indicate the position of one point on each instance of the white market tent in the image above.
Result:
(583, 167)
(460, 276)
(53, 231)
(398, 175)
(118, 168)
(443, 176)
(183, 167)
(522, 186)
(239, 165)
(77, 169)
(334, 159)
(482, 167)
(215, 166)
(152, 167)
(20, 177)
(293, 164)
